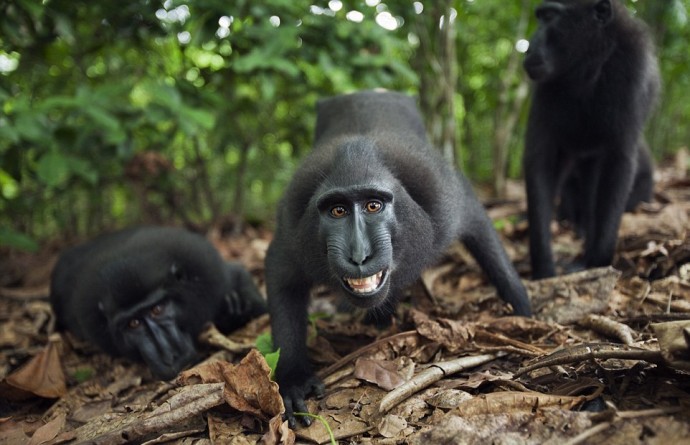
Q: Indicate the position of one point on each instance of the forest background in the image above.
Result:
(198, 112)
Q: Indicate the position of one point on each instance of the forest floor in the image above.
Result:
(605, 360)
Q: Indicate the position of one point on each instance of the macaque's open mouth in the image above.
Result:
(365, 285)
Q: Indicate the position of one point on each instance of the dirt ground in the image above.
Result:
(605, 360)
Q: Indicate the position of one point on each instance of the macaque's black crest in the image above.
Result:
(596, 81)
(145, 293)
(368, 209)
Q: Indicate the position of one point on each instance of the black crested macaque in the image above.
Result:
(146, 293)
(368, 209)
(596, 81)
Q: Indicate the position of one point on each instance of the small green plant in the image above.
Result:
(312, 322)
(502, 223)
(83, 374)
(264, 344)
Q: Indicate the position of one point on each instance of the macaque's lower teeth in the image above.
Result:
(366, 284)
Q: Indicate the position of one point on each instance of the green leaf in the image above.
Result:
(29, 126)
(113, 131)
(12, 238)
(83, 168)
(272, 361)
(83, 374)
(192, 118)
(53, 169)
(264, 343)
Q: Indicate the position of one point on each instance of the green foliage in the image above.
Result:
(12, 238)
(264, 344)
(82, 375)
(223, 94)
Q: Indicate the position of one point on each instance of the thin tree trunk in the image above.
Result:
(436, 62)
(507, 110)
(238, 199)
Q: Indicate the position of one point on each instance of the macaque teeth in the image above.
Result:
(366, 284)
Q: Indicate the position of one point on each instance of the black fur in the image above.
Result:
(372, 197)
(596, 81)
(145, 293)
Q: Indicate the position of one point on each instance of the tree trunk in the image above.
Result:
(508, 109)
(436, 63)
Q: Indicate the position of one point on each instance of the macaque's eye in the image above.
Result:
(373, 206)
(547, 15)
(134, 323)
(338, 211)
(156, 310)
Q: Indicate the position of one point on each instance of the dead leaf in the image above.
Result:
(674, 342)
(448, 398)
(638, 227)
(391, 425)
(566, 299)
(228, 428)
(49, 431)
(279, 433)
(551, 427)
(383, 373)
(207, 372)
(343, 425)
(453, 335)
(172, 415)
(248, 387)
(510, 401)
(42, 375)
(14, 435)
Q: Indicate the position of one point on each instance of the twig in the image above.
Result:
(430, 376)
(351, 357)
(656, 318)
(596, 429)
(589, 351)
(191, 401)
(583, 436)
(513, 345)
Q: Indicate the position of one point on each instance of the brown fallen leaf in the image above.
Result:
(382, 373)
(568, 298)
(248, 387)
(454, 335)
(674, 343)
(49, 431)
(552, 427)
(343, 425)
(636, 228)
(391, 425)
(509, 401)
(42, 375)
(279, 433)
(189, 402)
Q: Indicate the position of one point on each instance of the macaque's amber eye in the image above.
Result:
(134, 323)
(338, 211)
(373, 206)
(156, 310)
